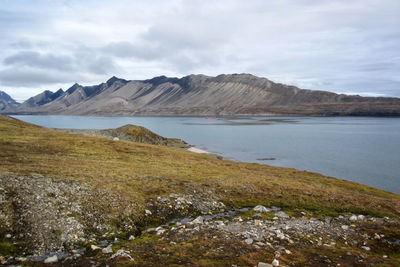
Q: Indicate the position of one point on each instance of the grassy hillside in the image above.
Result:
(129, 168)
(128, 178)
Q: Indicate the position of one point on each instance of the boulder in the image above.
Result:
(51, 259)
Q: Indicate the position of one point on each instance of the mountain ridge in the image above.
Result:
(6, 101)
(201, 95)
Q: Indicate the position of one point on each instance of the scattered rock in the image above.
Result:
(115, 139)
(51, 259)
(345, 227)
(275, 262)
(131, 237)
(147, 212)
(366, 248)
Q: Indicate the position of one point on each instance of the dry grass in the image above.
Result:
(141, 171)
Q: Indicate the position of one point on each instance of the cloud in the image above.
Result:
(38, 60)
(34, 77)
(332, 45)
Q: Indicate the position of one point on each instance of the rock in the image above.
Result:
(275, 262)
(147, 212)
(103, 243)
(115, 139)
(249, 241)
(21, 259)
(353, 218)
(8, 235)
(361, 217)
(366, 248)
(288, 251)
(263, 264)
(282, 214)
(122, 253)
(257, 222)
(384, 256)
(107, 250)
(345, 227)
(131, 237)
(51, 259)
(198, 220)
(261, 208)
(94, 247)
(161, 231)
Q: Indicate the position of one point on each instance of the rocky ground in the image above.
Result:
(49, 221)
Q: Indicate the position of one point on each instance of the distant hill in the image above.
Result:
(6, 102)
(226, 94)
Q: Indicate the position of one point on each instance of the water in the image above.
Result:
(360, 149)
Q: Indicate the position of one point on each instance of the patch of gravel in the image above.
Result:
(49, 214)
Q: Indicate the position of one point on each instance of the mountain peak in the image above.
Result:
(4, 96)
(73, 88)
(114, 79)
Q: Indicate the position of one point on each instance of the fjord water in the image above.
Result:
(361, 149)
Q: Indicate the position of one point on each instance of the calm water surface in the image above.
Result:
(360, 149)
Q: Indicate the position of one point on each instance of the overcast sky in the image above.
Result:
(341, 46)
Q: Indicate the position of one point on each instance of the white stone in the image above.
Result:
(94, 247)
(282, 214)
(353, 218)
(275, 262)
(263, 264)
(147, 212)
(131, 237)
(361, 217)
(161, 231)
(51, 259)
(115, 139)
(198, 220)
(249, 241)
(345, 227)
(107, 250)
(261, 208)
(366, 248)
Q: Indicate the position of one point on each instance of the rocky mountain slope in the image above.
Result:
(6, 102)
(234, 94)
(75, 200)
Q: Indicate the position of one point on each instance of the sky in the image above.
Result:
(342, 46)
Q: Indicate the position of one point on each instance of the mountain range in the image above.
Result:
(226, 94)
